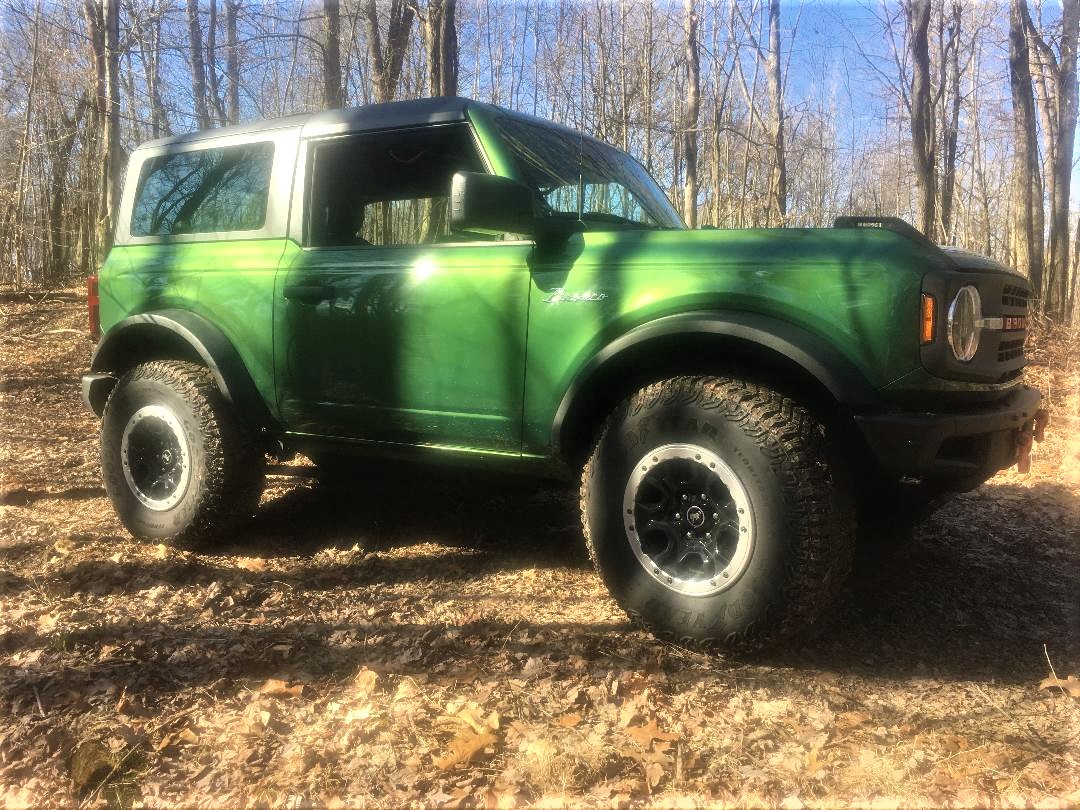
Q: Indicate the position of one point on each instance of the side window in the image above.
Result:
(203, 191)
(388, 188)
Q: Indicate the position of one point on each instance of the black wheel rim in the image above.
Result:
(155, 457)
(688, 519)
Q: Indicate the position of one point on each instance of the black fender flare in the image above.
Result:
(201, 337)
(835, 373)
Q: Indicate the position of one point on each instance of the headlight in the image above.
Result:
(965, 313)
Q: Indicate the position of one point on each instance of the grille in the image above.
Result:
(1012, 296)
(1010, 350)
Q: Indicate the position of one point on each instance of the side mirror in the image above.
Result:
(487, 202)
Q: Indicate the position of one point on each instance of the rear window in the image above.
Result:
(204, 191)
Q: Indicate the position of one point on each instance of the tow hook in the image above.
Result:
(1025, 437)
(1042, 422)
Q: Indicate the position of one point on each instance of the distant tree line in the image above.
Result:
(967, 130)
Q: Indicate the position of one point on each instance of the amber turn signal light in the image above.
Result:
(929, 319)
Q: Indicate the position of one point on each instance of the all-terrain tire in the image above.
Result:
(797, 497)
(176, 406)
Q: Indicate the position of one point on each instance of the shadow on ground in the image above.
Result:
(974, 596)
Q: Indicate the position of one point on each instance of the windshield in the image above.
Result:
(580, 176)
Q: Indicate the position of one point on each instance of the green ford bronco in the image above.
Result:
(444, 279)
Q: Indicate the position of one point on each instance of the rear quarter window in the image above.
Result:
(204, 191)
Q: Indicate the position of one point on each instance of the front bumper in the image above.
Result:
(966, 447)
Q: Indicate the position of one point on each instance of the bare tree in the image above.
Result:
(387, 55)
(440, 38)
(923, 145)
(197, 65)
(213, 87)
(778, 171)
(232, 60)
(949, 71)
(691, 112)
(102, 19)
(1057, 97)
(331, 53)
(1027, 191)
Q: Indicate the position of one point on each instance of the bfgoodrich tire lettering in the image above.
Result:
(803, 519)
(209, 470)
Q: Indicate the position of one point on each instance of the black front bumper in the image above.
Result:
(966, 447)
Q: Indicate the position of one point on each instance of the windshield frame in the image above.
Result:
(632, 175)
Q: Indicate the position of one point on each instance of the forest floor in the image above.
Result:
(432, 643)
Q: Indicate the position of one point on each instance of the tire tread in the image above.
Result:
(814, 486)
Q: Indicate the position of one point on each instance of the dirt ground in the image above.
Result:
(445, 643)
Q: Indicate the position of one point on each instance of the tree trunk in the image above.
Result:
(1026, 192)
(159, 118)
(331, 50)
(211, 65)
(61, 149)
(197, 65)
(93, 15)
(386, 61)
(923, 145)
(440, 35)
(950, 120)
(232, 60)
(14, 236)
(691, 113)
(1057, 289)
(1056, 81)
(112, 168)
(778, 171)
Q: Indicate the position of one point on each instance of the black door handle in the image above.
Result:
(308, 293)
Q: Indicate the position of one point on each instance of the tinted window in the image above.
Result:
(204, 191)
(388, 188)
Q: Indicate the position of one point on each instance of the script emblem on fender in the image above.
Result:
(558, 295)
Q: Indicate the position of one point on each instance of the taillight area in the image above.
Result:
(93, 306)
(928, 323)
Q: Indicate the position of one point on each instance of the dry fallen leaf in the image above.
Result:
(47, 622)
(463, 748)
(1070, 684)
(278, 688)
(364, 683)
(644, 735)
(654, 772)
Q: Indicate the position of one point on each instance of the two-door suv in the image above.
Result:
(444, 279)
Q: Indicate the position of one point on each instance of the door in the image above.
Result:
(388, 327)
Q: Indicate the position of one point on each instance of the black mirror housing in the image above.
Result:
(487, 202)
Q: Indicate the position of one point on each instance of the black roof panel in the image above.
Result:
(356, 119)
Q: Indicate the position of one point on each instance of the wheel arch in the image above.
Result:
(179, 335)
(756, 346)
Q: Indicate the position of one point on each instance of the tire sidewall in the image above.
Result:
(134, 392)
(746, 606)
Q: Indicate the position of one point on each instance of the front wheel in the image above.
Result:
(715, 514)
(177, 462)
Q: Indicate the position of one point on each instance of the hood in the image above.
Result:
(966, 260)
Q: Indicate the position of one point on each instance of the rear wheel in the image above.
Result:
(715, 514)
(177, 462)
